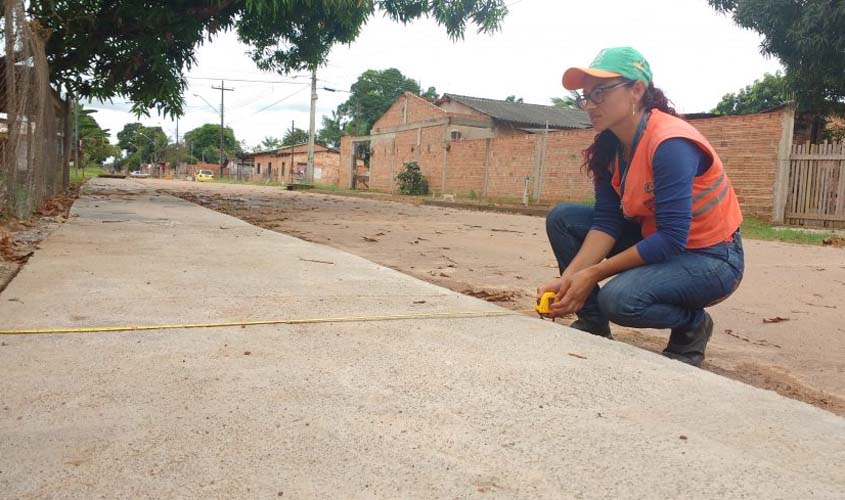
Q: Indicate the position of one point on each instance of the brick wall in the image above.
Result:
(748, 146)
(345, 174)
(281, 160)
(418, 109)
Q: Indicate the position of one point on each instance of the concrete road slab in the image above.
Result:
(504, 407)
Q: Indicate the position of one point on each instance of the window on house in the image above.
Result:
(283, 168)
(259, 168)
(456, 136)
(270, 168)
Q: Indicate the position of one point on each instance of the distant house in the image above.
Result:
(475, 117)
(288, 163)
(509, 118)
(424, 131)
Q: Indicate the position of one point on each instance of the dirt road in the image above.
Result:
(503, 258)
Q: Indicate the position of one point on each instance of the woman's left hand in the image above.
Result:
(581, 285)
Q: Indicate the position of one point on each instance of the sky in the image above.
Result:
(696, 54)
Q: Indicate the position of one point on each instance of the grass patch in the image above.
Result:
(756, 229)
(76, 174)
(329, 187)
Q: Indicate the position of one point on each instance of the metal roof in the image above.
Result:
(523, 115)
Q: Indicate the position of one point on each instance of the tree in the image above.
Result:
(513, 98)
(568, 102)
(151, 143)
(269, 143)
(141, 144)
(763, 94)
(431, 93)
(205, 143)
(331, 131)
(126, 136)
(139, 49)
(808, 37)
(94, 140)
(371, 95)
(295, 136)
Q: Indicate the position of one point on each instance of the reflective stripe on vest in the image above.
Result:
(712, 203)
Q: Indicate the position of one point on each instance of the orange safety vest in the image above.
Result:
(715, 210)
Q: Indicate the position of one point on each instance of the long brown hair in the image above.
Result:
(599, 155)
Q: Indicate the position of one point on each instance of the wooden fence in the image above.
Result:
(816, 194)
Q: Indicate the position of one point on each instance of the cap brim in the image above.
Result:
(573, 78)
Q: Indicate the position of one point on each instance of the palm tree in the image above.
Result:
(566, 102)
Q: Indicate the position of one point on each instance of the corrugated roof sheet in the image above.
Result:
(525, 115)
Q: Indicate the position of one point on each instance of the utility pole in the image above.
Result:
(76, 137)
(178, 150)
(292, 148)
(309, 170)
(222, 88)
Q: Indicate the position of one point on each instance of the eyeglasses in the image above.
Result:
(597, 95)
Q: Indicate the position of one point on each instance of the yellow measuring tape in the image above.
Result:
(347, 319)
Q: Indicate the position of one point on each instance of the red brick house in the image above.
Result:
(416, 129)
(287, 164)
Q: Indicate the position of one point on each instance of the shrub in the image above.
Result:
(411, 180)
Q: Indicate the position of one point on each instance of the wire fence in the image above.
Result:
(35, 122)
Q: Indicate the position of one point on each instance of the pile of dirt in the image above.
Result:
(834, 241)
(11, 248)
(59, 204)
(493, 295)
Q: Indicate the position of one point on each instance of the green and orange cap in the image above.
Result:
(625, 62)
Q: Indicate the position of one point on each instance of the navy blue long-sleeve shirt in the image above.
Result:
(676, 163)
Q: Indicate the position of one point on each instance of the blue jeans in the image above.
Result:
(670, 294)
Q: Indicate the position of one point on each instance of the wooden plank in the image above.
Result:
(813, 184)
(818, 156)
(799, 205)
(818, 185)
(840, 192)
(799, 165)
(802, 185)
(832, 178)
(826, 188)
(837, 218)
(818, 204)
(808, 183)
(791, 182)
(796, 179)
(828, 175)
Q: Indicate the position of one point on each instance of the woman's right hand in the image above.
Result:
(559, 286)
(552, 286)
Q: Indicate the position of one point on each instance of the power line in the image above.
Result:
(208, 103)
(280, 100)
(247, 80)
(271, 104)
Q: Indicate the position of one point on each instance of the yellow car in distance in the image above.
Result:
(204, 176)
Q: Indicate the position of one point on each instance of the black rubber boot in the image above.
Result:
(595, 329)
(688, 347)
